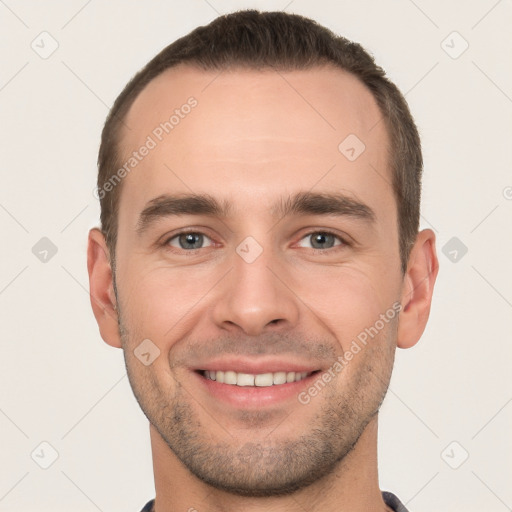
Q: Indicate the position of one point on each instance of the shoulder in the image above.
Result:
(392, 501)
(148, 507)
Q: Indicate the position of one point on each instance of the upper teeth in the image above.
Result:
(248, 379)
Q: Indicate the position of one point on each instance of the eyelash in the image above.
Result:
(344, 242)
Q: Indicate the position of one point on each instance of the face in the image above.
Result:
(250, 245)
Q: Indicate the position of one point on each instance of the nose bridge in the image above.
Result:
(254, 296)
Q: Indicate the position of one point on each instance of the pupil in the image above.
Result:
(194, 239)
(321, 238)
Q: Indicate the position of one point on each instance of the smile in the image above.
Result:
(249, 379)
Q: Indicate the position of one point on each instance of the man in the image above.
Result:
(259, 261)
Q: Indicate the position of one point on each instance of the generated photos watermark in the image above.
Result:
(156, 136)
(305, 397)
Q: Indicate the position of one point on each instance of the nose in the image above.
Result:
(255, 296)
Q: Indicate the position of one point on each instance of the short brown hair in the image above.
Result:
(286, 42)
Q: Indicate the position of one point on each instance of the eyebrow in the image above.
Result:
(302, 203)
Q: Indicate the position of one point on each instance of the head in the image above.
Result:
(259, 183)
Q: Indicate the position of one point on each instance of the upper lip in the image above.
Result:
(256, 366)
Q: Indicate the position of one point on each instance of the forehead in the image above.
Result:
(262, 131)
(263, 102)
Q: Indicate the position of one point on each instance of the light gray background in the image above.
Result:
(61, 384)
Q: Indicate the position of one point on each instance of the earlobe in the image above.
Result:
(103, 300)
(417, 290)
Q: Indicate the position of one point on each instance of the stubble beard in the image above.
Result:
(268, 465)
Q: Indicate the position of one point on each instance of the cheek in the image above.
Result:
(158, 301)
(347, 301)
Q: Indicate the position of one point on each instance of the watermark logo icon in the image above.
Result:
(454, 45)
(249, 249)
(454, 249)
(44, 455)
(146, 352)
(45, 45)
(455, 455)
(351, 147)
(44, 250)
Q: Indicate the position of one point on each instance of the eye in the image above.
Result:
(188, 240)
(194, 240)
(323, 240)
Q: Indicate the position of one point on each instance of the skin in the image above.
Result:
(253, 138)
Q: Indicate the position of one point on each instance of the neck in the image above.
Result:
(351, 486)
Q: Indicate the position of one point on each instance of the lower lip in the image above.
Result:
(253, 396)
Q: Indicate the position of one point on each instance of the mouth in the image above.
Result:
(253, 390)
(233, 378)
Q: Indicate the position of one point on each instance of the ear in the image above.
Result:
(103, 300)
(417, 289)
